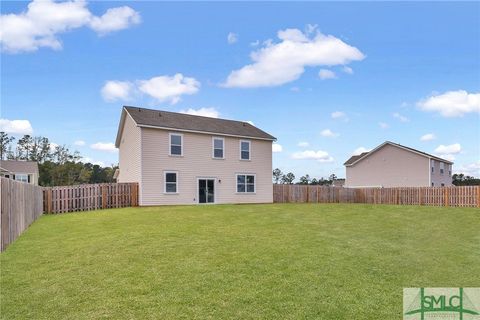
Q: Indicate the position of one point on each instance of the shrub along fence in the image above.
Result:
(20, 205)
(90, 197)
(465, 196)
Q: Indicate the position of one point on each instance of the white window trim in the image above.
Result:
(249, 150)
(213, 147)
(165, 182)
(254, 183)
(442, 168)
(170, 134)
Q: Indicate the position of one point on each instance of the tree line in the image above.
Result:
(463, 180)
(57, 164)
(280, 178)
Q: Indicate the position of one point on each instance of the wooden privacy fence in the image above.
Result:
(90, 197)
(467, 196)
(20, 205)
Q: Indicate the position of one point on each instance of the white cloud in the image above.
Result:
(276, 147)
(79, 143)
(250, 122)
(428, 137)
(400, 117)
(117, 90)
(44, 20)
(278, 63)
(166, 88)
(53, 146)
(325, 74)
(449, 157)
(115, 19)
(347, 70)
(255, 43)
(321, 156)
(360, 150)
(104, 146)
(303, 144)
(328, 133)
(295, 89)
(204, 112)
(90, 160)
(449, 149)
(338, 115)
(452, 103)
(16, 126)
(471, 169)
(232, 38)
(383, 125)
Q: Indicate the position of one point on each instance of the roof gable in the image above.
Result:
(184, 122)
(354, 159)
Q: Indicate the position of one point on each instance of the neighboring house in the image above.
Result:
(185, 159)
(24, 171)
(393, 165)
(338, 183)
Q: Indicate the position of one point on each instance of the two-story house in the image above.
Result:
(394, 165)
(185, 159)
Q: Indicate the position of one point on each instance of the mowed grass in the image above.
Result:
(280, 261)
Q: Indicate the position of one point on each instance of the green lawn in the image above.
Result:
(237, 262)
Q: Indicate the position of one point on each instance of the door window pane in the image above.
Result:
(211, 191)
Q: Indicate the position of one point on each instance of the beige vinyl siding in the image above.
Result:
(390, 166)
(129, 152)
(197, 162)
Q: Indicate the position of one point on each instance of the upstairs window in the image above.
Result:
(171, 182)
(245, 183)
(176, 144)
(433, 165)
(218, 148)
(449, 169)
(244, 150)
(442, 167)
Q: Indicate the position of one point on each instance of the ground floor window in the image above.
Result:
(21, 177)
(171, 182)
(245, 183)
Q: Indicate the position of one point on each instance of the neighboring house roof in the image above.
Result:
(354, 159)
(185, 122)
(19, 166)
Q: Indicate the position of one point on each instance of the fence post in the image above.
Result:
(49, 200)
(445, 197)
(104, 196)
(478, 196)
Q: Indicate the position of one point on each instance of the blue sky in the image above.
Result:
(335, 77)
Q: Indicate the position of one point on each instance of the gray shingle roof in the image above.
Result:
(353, 159)
(15, 166)
(180, 121)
